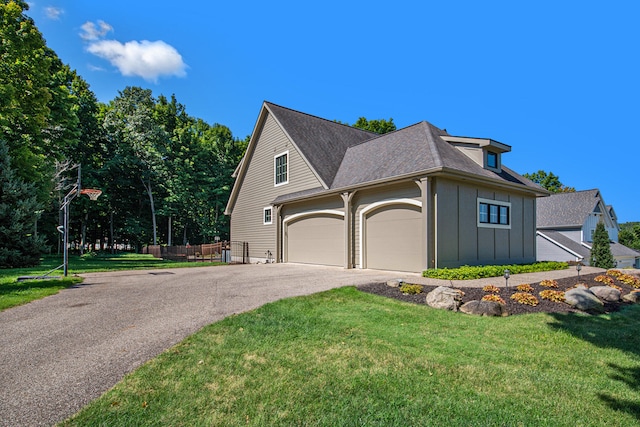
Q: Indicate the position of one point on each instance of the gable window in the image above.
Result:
(267, 216)
(492, 160)
(494, 214)
(281, 168)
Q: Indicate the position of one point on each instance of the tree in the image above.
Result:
(601, 249)
(19, 246)
(380, 126)
(629, 235)
(549, 181)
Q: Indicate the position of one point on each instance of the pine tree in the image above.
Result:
(601, 250)
(18, 207)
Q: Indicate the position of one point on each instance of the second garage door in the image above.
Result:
(392, 238)
(316, 239)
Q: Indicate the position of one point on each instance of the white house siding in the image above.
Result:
(461, 242)
(258, 190)
(548, 251)
(364, 198)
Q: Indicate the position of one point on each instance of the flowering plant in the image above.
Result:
(549, 283)
(524, 287)
(551, 295)
(494, 298)
(525, 298)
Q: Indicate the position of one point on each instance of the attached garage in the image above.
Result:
(315, 238)
(391, 236)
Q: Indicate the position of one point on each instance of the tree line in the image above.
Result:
(165, 175)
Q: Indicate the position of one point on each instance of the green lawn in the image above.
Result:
(13, 293)
(346, 358)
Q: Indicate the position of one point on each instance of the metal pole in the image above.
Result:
(66, 236)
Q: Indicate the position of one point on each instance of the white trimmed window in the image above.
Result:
(267, 216)
(494, 213)
(281, 168)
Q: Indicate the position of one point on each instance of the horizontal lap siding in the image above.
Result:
(258, 190)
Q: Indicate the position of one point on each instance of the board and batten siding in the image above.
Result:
(461, 242)
(258, 190)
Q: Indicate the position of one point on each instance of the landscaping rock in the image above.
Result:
(484, 308)
(606, 293)
(583, 299)
(395, 283)
(633, 296)
(444, 298)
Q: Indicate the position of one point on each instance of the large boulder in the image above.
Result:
(444, 298)
(633, 296)
(484, 308)
(606, 293)
(583, 299)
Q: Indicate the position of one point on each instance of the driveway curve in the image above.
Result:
(59, 353)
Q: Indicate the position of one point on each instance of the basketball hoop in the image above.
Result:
(93, 193)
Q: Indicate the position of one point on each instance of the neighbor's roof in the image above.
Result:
(566, 209)
(617, 249)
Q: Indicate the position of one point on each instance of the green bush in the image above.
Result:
(467, 272)
(410, 289)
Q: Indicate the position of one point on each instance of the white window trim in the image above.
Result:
(497, 203)
(264, 211)
(274, 168)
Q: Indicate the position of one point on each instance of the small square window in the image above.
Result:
(267, 216)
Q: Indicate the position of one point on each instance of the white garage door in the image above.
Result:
(317, 239)
(393, 238)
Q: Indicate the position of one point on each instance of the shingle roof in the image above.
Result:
(568, 243)
(322, 142)
(566, 209)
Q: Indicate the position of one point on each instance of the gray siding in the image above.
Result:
(257, 190)
(461, 242)
(548, 251)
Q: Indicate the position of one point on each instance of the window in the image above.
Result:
(492, 160)
(494, 214)
(267, 216)
(281, 168)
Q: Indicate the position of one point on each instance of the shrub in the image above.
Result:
(549, 283)
(409, 289)
(551, 295)
(524, 287)
(478, 272)
(494, 298)
(525, 298)
(491, 288)
(604, 279)
(614, 273)
(630, 280)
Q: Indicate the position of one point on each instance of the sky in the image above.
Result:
(558, 81)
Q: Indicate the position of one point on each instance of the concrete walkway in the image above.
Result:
(59, 353)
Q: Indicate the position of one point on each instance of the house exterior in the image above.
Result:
(566, 223)
(310, 190)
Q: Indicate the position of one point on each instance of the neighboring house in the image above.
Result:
(566, 223)
(310, 190)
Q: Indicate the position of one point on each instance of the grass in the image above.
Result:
(14, 293)
(346, 358)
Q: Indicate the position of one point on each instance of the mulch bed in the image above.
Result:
(513, 307)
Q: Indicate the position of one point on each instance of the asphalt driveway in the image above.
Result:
(59, 353)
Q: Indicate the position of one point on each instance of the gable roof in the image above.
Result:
(322, 142)
(566, 209)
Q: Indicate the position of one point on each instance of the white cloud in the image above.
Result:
(91, 31)
(53, 12)
(145, 59)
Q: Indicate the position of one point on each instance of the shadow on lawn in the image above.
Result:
(620, 331)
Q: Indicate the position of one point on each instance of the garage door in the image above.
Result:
(317, 239)
(393, 238)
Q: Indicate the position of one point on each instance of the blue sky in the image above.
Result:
(558, 81)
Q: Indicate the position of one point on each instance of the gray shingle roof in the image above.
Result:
(322, 142)
(568, 243)
(566, 209)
